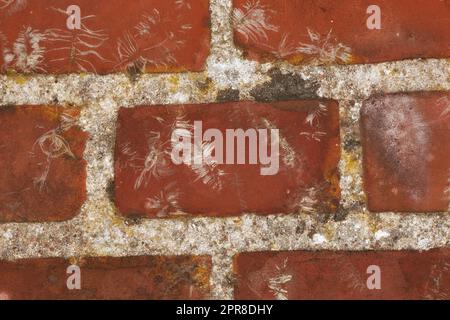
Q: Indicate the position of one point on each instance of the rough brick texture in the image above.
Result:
(112, 36)
(343, 275)
(149, 183)
(406, 145)
(42, 171)
(336, 32)
(107, 278)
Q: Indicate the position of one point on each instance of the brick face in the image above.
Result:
(107, 278)
(114, 36)
(303, 275)
(148, 182)
(336, 32)
(406, 145)
(42, 171)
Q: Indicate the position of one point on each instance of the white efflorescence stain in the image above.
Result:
(318, 239)
(381, 234)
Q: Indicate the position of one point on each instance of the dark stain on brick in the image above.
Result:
(228, 95)
(284, 87)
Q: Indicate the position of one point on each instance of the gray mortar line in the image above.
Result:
(100, 231)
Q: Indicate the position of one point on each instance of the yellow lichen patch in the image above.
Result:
(328, 231)
(373, 224)
(74, 260)
(17, 78)
(201, 275)
(296, 59)
(351, 163)
(174, 82)
(117, 221)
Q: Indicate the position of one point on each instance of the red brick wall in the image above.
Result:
(248, 149)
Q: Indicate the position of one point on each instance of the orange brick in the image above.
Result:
(406, 146)
(42, 171)
(149, 183)
(137, 278)
(336, 32)
(303, 275)
(111, 36)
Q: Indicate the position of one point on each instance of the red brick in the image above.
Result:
(336, 32)
(406, 146)
(42, 171)
(148, 183)
(115, 36)
(303, 275)
(107, 278)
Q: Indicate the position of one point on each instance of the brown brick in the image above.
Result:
(336, 32)
(406, 145)
(139, 278)
(148, 183)
(113, 36)
(303, 275)
(42, 171)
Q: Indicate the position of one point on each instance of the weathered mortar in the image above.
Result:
(99, 230)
